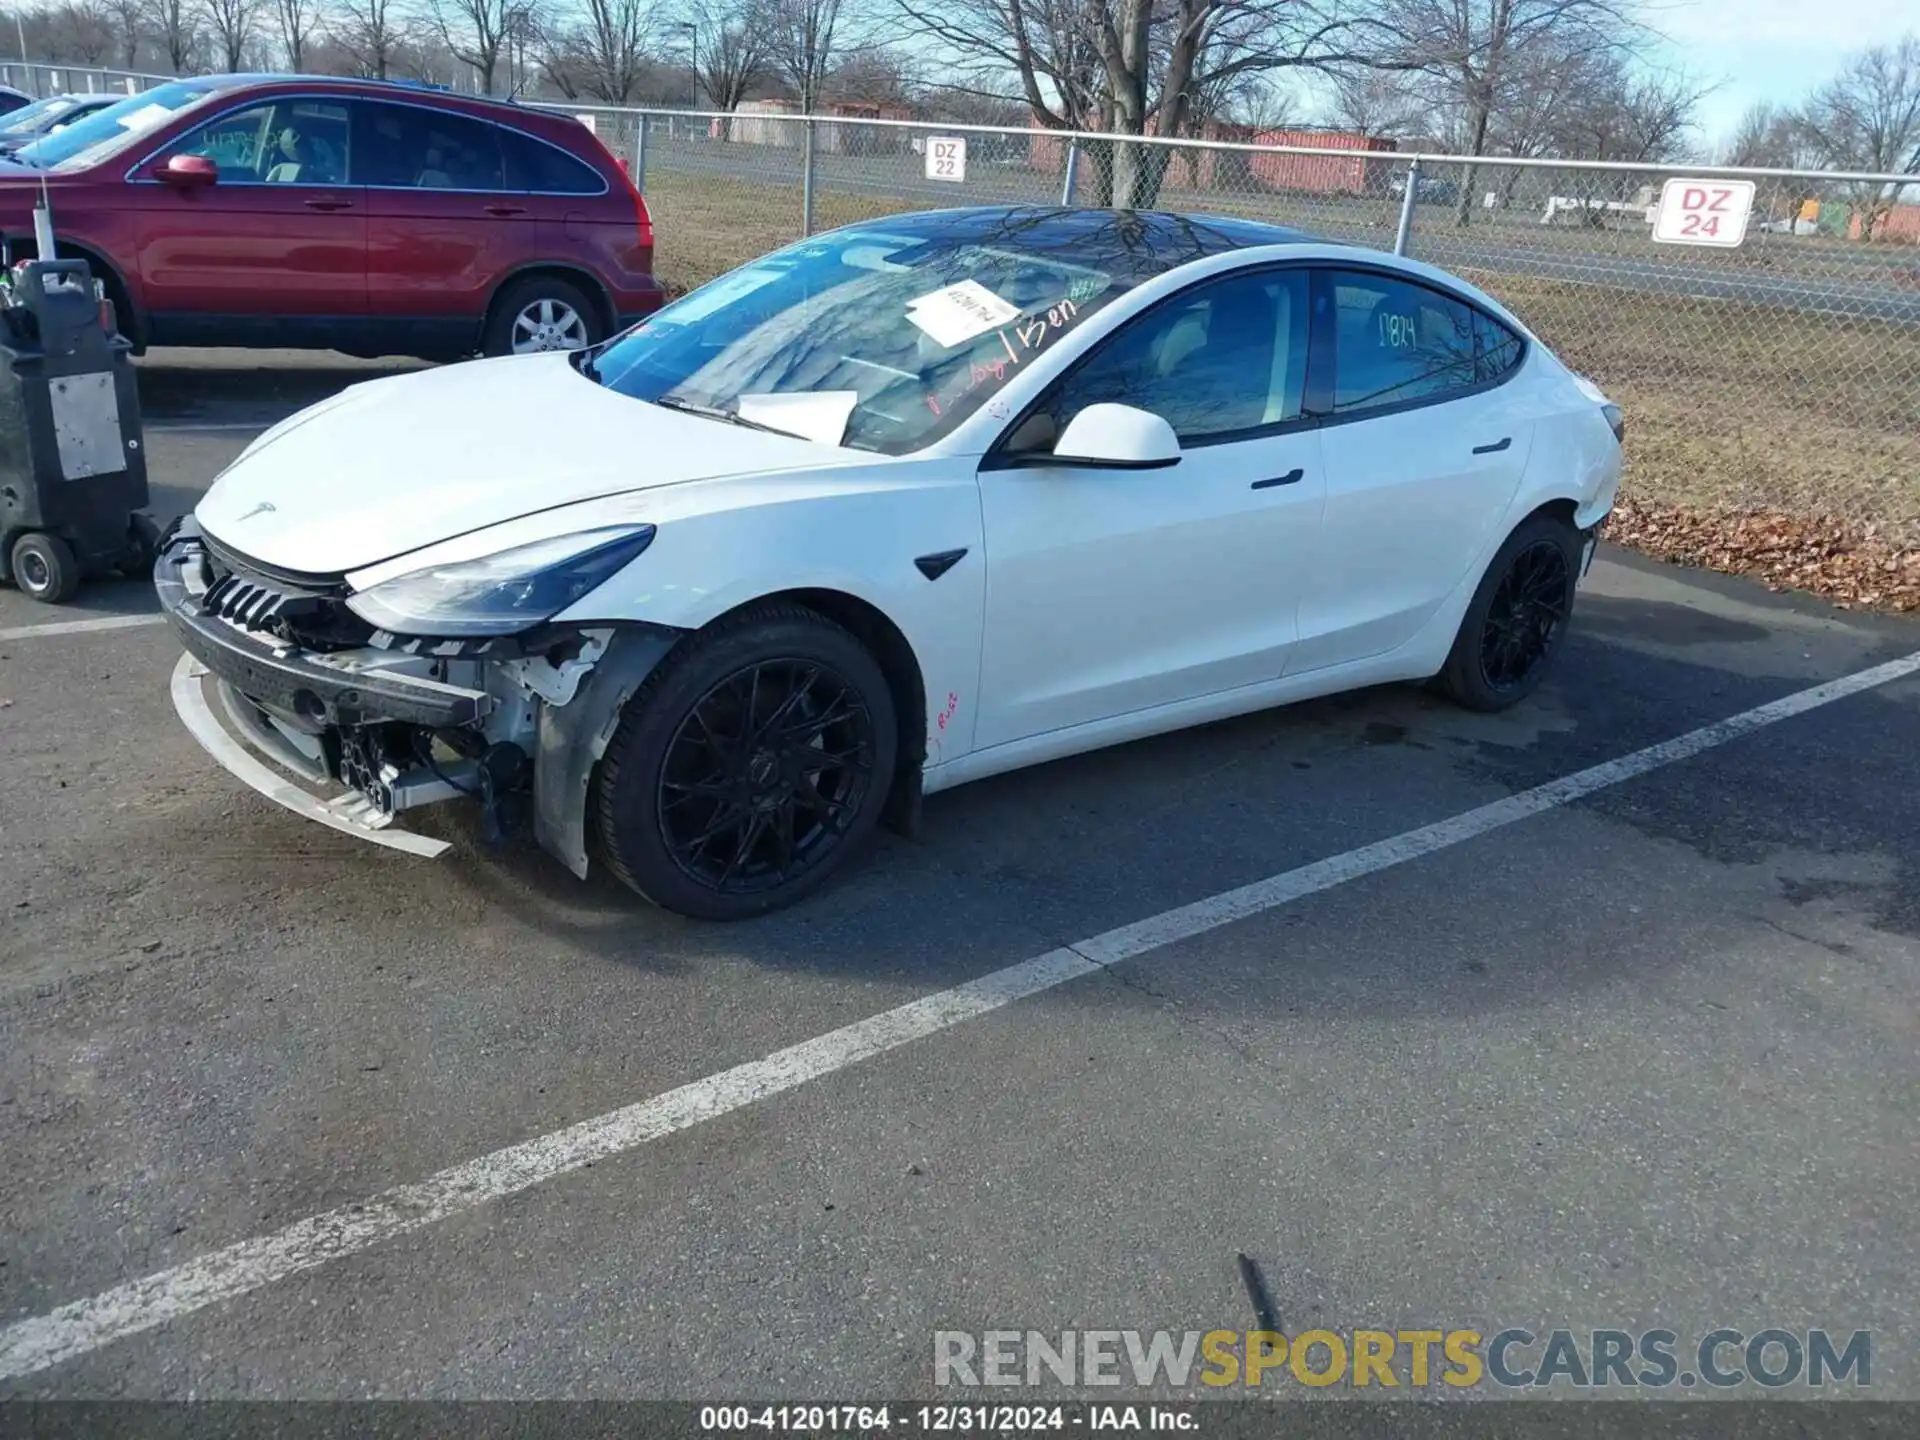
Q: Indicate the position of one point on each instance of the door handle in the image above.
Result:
(328, 202)
(1291, 477)
(1494, 449)
(505, 210)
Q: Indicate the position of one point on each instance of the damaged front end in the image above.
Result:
(295, 690)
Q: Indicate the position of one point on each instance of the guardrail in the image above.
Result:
(41, 80)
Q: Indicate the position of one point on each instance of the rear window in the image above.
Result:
(545, 169)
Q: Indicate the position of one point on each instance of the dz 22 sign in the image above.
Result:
(1703, 212)
(946, 157)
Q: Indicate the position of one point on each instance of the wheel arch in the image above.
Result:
(576, 275)
(573, 738)
(127, 313)
(1563, 508)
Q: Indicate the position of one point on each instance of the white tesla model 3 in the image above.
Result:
(915, 502)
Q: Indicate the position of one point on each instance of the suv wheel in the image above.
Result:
(539, 315)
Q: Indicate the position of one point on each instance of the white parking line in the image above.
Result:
(81, 1326)
(81, 627)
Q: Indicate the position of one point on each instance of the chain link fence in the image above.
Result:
(1781, 374)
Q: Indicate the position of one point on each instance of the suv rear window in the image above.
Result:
(545, 169)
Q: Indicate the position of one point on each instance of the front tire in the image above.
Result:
(749, 767)
(1517, 621)
(44, 567)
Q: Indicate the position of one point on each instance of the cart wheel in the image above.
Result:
(143, 547)
(44, 567)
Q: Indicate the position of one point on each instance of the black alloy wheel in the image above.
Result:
(750, 765)
(1530, 605)
(763, 777)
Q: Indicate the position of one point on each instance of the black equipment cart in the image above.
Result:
(73, 468)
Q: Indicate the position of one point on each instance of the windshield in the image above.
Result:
(877, 338)
(37, 115)
(89, 141)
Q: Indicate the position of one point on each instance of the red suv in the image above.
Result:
(358, 215)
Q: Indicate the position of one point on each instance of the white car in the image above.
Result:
(904, 505)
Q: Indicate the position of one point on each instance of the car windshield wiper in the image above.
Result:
(714, 412)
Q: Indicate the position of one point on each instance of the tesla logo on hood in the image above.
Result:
(261, 509)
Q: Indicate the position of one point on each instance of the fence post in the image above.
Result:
(133, 86)
(1070, 172)
(640, 156)
(1405, 232)
(806, 181)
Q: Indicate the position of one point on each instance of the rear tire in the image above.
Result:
(1518, 618)
(44, 568)
(541, 313)
(749, 767)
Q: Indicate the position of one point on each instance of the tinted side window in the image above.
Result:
(1499, 347)
(1395, 341)
(1226, 357)
(411, 147)
(545, 169)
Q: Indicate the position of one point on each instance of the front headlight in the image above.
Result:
(500, 594)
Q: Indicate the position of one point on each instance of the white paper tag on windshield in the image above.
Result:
(811, 414)
(145, 118)
(960, 312)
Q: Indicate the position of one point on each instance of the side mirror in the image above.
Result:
(188, 172)
(1117, 437)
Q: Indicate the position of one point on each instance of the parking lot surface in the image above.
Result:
(1641, 1058)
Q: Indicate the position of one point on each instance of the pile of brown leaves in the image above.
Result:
(1851, 565)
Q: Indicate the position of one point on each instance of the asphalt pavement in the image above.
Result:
(1642, 1056)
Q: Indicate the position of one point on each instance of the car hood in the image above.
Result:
(389, 466)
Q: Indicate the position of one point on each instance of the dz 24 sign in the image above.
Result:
(1703, 212)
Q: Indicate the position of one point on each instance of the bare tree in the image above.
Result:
(1767, 137)
(806, 39)
(232, 23)
(369, 31)
(728, 43)
(298, 20)
(1376, 102)
(475, 32)
(1868, 118)
(1146, 67)
(177, 24)
(601, 55)
(128, 18)
(81, 30)
(1472, 49)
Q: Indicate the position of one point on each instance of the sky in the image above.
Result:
(1770, 49)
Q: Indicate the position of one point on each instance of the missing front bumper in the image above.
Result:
(351, 813)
